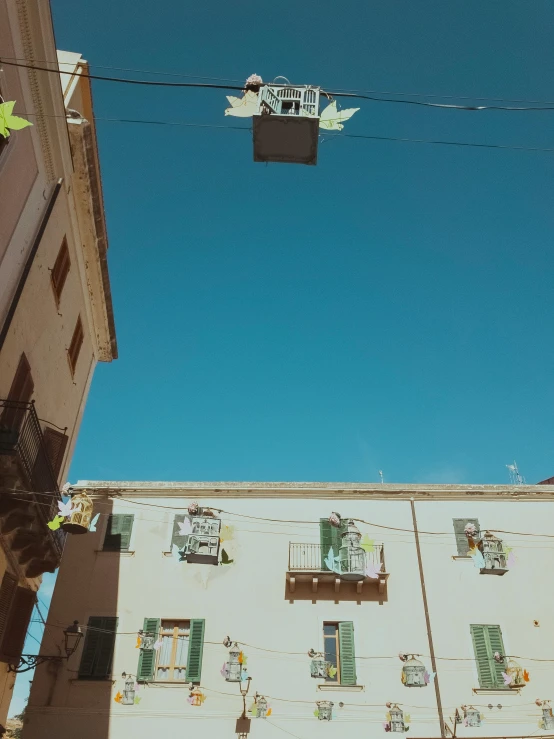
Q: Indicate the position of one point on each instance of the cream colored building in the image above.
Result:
(250, 565)
(56, 317)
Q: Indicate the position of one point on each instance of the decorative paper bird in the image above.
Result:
(243, 107)
(177, 553)
(244, 676)
(185, 527)
(316, 713)
(65, 508)
(137, 700)
(367, 544)
(118, 697)
(332, 671)
(269, 712)
(139, 642)
(332, 562)
(478, 559)
(526, 676)
(332, 119)
(158, 644)
(429, 677)
(372, 571)
(9, 121)
(225, 558)
(224, 671)
(92, 527)
(54, 524)
(511, 557)
(507, 678)
(227, 533)
(407, 719)
(386, 726)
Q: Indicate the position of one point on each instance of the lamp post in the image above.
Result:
(243, 723)
(72, 639)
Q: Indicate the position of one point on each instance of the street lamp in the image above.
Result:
(243, 723)
(72, 639)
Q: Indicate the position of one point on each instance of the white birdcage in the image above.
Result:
(325, 710)
(286, 126)
(352, 556)
(493, 554)
(319, 666)
(473, 717)
(128, 698)
(203, 542)
(413, 673)
(397, 719)
(234, 665)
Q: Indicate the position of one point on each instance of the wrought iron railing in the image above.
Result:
(21, 436)
(308, 558)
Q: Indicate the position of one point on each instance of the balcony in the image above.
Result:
(25, 465)
(306, 570)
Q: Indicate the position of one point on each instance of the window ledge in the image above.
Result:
(463, 557)
(125, 553)
(328, 687)
(495, 691)
(92, 680)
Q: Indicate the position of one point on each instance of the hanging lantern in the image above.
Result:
(233, 669)
(413, 673)
(324, 711)
(260, 707)
(494, 555)
(78, 521)
(472, 717)
(196, 697)
(128, 698)
(352, 556)
(319, 666)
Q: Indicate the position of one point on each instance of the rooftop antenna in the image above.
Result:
(381, 476)
(515, 477)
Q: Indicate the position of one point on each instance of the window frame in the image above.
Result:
(97, 630)
(335, 680)
(163, 631)
(108, 533)
(62, 258)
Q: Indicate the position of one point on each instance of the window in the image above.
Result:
(486, 641)
(179, 657)
(96, 660)
(338, 644)
(329, 537)
(461, 538)
(16, 607)
(21, 391)
(55, 443)
(60, 270)
(75, 346)
(118, 533)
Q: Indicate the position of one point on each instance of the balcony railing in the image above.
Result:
(21, 437)
(308, 558)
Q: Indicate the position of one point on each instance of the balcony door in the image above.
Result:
(20, 393)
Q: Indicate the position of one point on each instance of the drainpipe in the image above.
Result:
(29, 262)
(427, 620)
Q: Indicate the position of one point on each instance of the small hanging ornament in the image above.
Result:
(253, 83)
(324, 710)
(335, 519)
(193, 508)
(260, 708)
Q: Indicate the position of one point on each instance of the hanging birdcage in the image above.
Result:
(319, 666)
(413, 673)
(325, 710)
(517, 673)
(261, 707)
(396, 719)
(472, 717)
(78, 521)
(128, 698)
(203, 542)
(352, 556)
(494, 555)
(233, 667)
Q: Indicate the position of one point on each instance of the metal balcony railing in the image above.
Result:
(308, 558)
(21, 436)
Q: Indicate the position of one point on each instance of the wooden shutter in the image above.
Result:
(18, 622)
(55, 443)
(147, 657)
(96, 660)
(461, 538)
(486, 641)
(21, 390)
(60, 270)
(7, 590)
(176, 538)
(118, 532)
(347, 654)
(329, 536)
(75, 346)
(196, 649)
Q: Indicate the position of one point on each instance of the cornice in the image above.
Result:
(316, 490)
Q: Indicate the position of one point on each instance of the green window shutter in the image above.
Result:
(347, 654)
(147, 657)
(461, 538)
(7, 590)
(196, 649)
(97, 656)
(118, 532)
(329, 536)
(18, 622)
(486, 641)
(176, 538)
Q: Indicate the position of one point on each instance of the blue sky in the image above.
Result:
(388, 309)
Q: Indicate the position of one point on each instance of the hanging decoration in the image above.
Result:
(320, 667)
(196, 697)
(515, 676)
(260, 708)
(332, 119)
(8, 121)
(193, 508)
(352, 557)
(234, 670)
(487, 551)
(145, 641)
(396, 719)
(472, 717)
(335, 520)
(414, 672)
(129, 695)
(547, 720)
(201, 532)
(78, 519)
(324, 710)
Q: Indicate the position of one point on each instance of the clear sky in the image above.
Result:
(388, 309)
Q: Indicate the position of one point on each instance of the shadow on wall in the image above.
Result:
(86, 590)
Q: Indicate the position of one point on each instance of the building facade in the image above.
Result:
(389, 608)
(56, 317)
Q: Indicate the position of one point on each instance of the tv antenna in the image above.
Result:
(381, 476)
(515, 477)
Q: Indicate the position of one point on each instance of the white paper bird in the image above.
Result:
(243, 107)
(332, 119)
(65, 508)
(185, 527)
